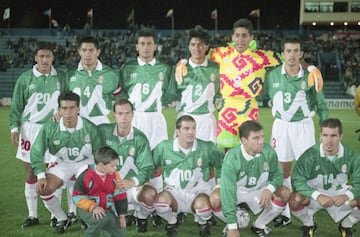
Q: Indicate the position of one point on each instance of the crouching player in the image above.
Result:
(250, 174)
(96, 190)
(185, 162)
(321, 181)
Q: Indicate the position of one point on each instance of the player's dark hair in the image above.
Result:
(332, 123)
(184, 118)
(44, 46)
(145, 32)
(290, 39)
(90, 40)
(105, 155)
(69, 96)
(200, 33)
(122, 101)
(244, 23)
(249, 126)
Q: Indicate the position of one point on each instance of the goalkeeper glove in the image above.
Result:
(315, 78)
(180, 71)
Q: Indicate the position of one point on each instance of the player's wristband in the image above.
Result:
(41, 175)
(233, 226)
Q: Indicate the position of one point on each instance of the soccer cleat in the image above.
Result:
(261, 232)
(61, 226)
(156, 220)
(181, 218)
(73, 218)
(171, 230)
(308, 231)
(83, 225)
(345, 232)
(281, 221)
(130, 219)
(204, 230)
(30, 221)
(53, 222)
(212, 221)
(141, 225)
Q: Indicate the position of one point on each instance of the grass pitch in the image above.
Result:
(13, 208)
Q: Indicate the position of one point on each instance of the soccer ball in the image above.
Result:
(243, 218)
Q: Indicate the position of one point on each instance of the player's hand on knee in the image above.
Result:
(325, 201)
(98, 212)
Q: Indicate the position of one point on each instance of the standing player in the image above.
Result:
(94, 82)
(186, 169)
(197, 86)
(73, 141)
(136, 164)
(34, 102)
(321, 180)
(250, 174)
(144, 82)
(294, 103)
(242, 73)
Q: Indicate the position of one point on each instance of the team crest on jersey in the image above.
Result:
(303, 85)
(101, 79)
(168, 162)
(108, 142)
(132, 151)
(199, 162)
(317, 167)
(56, 142)
(32, 86)
(344, 168)
(186, 79)
(161, 76)
(242, 173)
(73, 78)
(276, 85)
(266, 166)
(87, 138)
(212, 77)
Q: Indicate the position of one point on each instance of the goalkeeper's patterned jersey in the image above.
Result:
(241, 80)
(242, 173)
(187, 171)
(313, 171)
(198, 88)
(97, 89)
(135, 158)
(292, 97)
(145, 84)
(35, 97)
(67, 146)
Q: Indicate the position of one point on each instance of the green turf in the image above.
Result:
(13, 208)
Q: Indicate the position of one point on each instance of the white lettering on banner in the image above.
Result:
(340, 103)
(5, 101)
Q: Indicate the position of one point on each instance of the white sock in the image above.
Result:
(219, 214)
(286, 211)
(69, 190)
(304, 216)
(53, 205)
(31, 198)
(351, 219)
(58, 193)
(268, 214)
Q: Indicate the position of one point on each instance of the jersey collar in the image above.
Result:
(142, 63)
(130, 136)
(176, 146)
(53, 71)
(300, 73)
(194, 65)
(246, 155)
(338, 155)
(79, 124)
(98, 67)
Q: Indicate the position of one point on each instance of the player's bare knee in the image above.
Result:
(147, 195)
(282, 194)
(296, 200)
(214, 199)
(200, 202)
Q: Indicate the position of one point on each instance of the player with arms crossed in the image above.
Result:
(294, 103)
(321, 180)
(186, 169)
(73, 141)
(34, 102)
(250, 174)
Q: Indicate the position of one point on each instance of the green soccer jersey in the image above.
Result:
(315, 172)
(292, 97)
(241, 172)
(134, 153)
(68, 146)
(35, 97)
(97, 89)
(198, 90)
(145, 84)
(186, 171)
